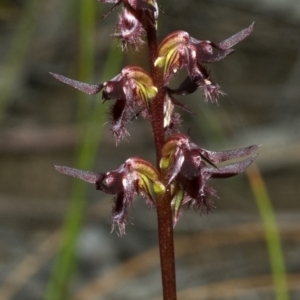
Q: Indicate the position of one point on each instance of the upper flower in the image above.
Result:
(189, 167)
(180, 50)
(134, 18)
(132, 89)
(135, 177)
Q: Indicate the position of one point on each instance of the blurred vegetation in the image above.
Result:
(265, 208)
(92, 115)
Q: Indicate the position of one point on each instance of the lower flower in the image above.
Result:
(135, 177)
(190, 167)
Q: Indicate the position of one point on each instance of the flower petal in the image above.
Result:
(221, 156)
(231, 169)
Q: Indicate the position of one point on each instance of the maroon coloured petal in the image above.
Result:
(188, 86)
(87, 88)
(191, 61)
(117, 111)
(191, 166)
(229, 170)
(191, 84)
(221, 156)
(119, 214)
(192, 187)
(205, 51)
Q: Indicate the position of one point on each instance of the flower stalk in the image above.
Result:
(183, 170)
(163, 207)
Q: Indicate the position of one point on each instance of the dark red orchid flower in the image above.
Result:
(133, 20)
(180, 50)
(189, 168)
(132, 89)
(135, 177)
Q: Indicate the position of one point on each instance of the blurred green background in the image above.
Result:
(55, 240)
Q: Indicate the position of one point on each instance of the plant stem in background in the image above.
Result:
(265, 209)
(272, 234)
(65, 264)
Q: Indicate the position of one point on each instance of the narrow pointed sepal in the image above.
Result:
(231, 169)
(87, 176)
(238, 37)
(87, 88)
(217, 157)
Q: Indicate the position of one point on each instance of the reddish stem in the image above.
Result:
(157, 105)
(164, 212)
